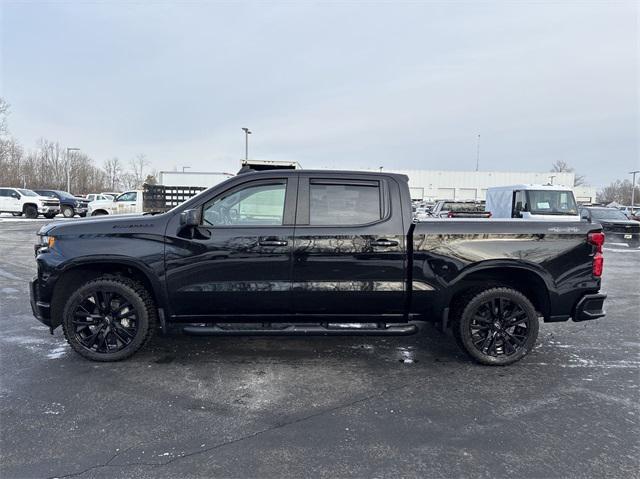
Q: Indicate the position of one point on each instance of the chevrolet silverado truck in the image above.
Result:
(300, 252)
(20, 201)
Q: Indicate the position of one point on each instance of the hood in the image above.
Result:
(629, 223)
(104, 224)
(46, 198)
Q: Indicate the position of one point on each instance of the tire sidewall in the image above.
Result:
(68, 212)
(30, 211)
(127, 292)
(464, 335)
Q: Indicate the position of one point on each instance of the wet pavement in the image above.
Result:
(324, 407)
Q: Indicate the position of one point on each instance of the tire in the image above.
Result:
(67, 212)
(497, 327)
(49, 215)
(82, 215)
(90, 324)
(30, 212)
(16, 214)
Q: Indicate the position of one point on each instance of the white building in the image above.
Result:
(472, 185)
(429, 185)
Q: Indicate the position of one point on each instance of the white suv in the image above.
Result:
(19, 201)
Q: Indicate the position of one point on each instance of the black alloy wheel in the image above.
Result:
(498, 326)
(109, 319)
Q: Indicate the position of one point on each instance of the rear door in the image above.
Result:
(349, 249)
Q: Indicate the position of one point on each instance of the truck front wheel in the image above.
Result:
(30, 211)
(67, 212)
(497, 327)
(109, 318)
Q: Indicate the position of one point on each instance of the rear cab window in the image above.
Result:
(343, 202)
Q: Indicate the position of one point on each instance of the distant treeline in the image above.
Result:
(46, 166)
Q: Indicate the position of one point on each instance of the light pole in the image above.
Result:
(633, 187)
(247, 132)
(69, 168)
(478, 154)
(551, 179)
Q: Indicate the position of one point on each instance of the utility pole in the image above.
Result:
(247, 132)
(69, 168)
(478, 154)
(633, 187)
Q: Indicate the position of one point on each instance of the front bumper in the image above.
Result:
(49, 209)
(591, 306)
(41, 310)
(630, 239)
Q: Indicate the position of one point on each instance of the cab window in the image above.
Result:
(128, 196)
(254, 205)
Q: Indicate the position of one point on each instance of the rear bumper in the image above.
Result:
(41, 310)
(591, 306)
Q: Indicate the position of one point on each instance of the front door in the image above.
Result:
(126, 203)
(238, 261)
(349, 252)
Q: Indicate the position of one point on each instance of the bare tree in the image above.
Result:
(138, 166)
(4, 113)
(618, 191)
(561, 166)
(113, 169)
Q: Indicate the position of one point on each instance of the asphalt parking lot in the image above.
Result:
(324, 407)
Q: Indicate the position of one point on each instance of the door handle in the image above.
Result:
(272, 242)
(385, 243)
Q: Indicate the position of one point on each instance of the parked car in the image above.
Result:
(532, 202)
(153, 198)
(459, 209)
(615, 224)
(20, 201)
(632, 212)
(313, 252)
(69, 204)
(99, 197)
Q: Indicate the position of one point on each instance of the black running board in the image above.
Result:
(381, 329)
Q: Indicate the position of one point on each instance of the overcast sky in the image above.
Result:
(345, 84)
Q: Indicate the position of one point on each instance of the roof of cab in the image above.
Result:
(531, 187)
(398, 176)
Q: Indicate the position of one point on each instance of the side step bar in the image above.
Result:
(325, 329)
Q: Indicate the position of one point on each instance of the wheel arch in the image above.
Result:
(78, 272)
(536, 285)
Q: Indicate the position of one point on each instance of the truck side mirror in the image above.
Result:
(15, 195)
(191, 217)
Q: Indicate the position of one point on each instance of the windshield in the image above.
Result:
(64, 194)
(608, 214)
(28, 192)
(551, 202)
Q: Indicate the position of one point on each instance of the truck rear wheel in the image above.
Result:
(30, 211)
(109, 318)
(498, 326)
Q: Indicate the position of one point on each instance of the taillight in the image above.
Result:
(597, 240)
(450, 214)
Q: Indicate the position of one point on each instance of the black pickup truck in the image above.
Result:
(313, 252)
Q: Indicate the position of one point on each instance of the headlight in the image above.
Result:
(47, 241)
